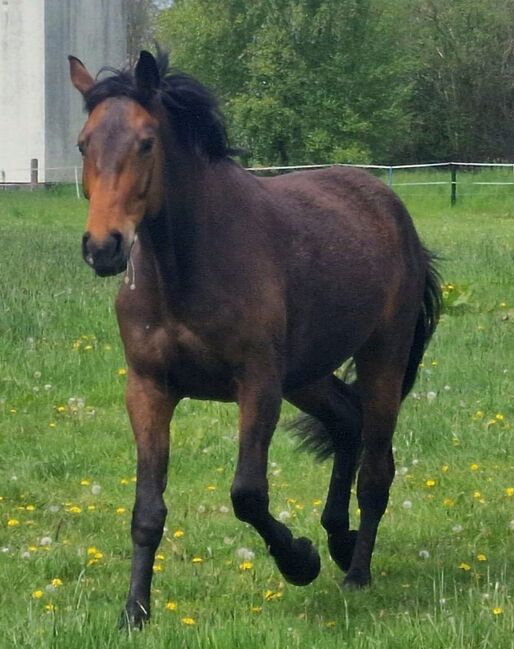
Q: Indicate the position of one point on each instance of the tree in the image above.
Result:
(301, 80)
(463, 89)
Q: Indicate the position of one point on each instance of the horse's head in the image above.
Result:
(123, 162)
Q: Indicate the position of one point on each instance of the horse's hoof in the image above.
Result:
(133, 617)
(300, 564)
(356, 580)
(341, 548)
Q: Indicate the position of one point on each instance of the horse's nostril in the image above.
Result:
(118, 240)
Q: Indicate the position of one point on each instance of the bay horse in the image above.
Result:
(248, 289)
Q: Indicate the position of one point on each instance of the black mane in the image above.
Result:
(196, 116)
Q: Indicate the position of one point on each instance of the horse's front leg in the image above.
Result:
(150, 405)
(259, 400)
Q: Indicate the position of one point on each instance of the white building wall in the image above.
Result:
(95, 32)
(22, 91)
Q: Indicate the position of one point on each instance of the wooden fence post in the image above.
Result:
(33, 173)
(453, 182)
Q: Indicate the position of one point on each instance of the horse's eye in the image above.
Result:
(146, 146)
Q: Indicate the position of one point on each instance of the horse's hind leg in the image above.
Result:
(336, 407)
(380, 377)
(259, 399)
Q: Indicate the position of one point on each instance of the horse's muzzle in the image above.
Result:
(106, 257)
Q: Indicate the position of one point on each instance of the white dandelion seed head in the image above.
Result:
(431, 396)
(284, 516)
(407, 504)
(201, 509)
(244, 554)
(45, 540)
(25, 555)
(424, 554)
(96, 489)
(457, 529)
(224, 509)
(511, 525)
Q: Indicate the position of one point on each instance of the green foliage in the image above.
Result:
(315, 81)
(302, 81)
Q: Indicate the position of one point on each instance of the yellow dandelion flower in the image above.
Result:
(497, 610)
(91, 508)
(178, 534)
(448, 502)
(509, 491)
(52, 424)
(270, 595)
(60, 408)
(37, 594)
(316, 502)
(121, 510)
(171, 606)
(160, 557)
(474, 467)
(499, 417)
(122, 371)
(32, 548)
(98, 556)
(245, 565)
(50, 608)
(256, 609)
(12, 522)
(197, 560)
(91, 550)
(74, 509)
(211, 487)
(85, 483)
(479, 414)
(430, 483)
(56, 582)
(481, 557)
(465, 566)
(330, 623)
(445, 468)
(157, 567)
(188, 621)
(124, 481)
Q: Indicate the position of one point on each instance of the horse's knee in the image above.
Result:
(147, 525)
(250, 505)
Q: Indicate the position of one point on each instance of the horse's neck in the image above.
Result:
(168, 241)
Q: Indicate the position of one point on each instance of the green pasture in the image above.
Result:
(444, 560)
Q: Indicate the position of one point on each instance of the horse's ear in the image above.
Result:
(147, 73)
(80, 77)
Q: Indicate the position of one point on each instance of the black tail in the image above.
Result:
(426, 324)
(342, 433)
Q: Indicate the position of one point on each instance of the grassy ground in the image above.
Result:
(443, 565)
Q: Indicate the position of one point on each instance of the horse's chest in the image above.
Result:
(183, 358)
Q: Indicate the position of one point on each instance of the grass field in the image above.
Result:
(443, 565)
